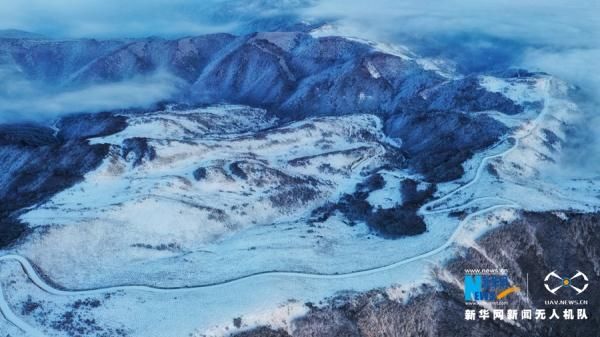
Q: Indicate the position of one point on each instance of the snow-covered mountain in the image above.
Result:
(294, 73)
(286, 167)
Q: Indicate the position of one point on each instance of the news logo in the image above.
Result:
(487, 285)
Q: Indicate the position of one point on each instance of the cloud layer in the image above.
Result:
(22, 100)
(138, 18)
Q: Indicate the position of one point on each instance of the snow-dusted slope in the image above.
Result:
(218, 201)
(533, 164)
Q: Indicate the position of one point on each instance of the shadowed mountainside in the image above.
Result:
(36, 163)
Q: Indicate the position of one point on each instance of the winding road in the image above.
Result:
(9, 315)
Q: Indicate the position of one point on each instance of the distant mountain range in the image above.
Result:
(291, 73)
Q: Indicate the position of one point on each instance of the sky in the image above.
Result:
(136, 18)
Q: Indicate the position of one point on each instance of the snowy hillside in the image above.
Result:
(285, 168)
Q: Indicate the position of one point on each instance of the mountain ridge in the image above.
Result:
(293, 73)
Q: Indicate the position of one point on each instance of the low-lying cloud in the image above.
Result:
(22, 100)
